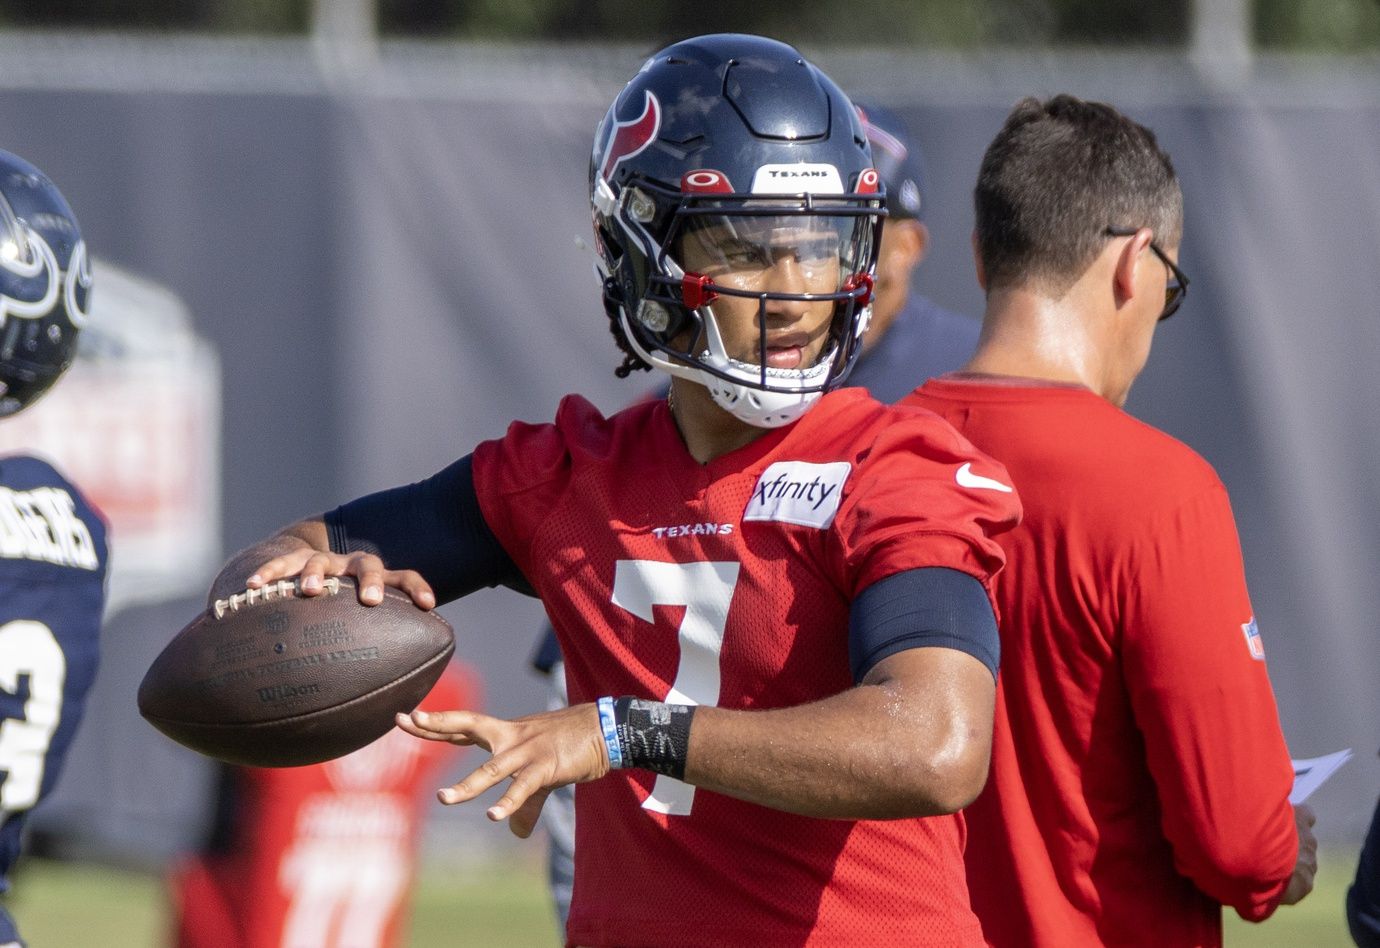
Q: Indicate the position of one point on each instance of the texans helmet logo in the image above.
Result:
(627, 139)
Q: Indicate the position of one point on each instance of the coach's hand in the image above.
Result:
(1306, 866)
(539, 752)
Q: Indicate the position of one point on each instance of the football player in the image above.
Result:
(1363, 895)
(771, 595)
(324, 855)
(52, 542)
(909, 339)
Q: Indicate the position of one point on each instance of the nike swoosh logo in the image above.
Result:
(966, 478)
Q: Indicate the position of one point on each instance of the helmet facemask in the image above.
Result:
(763, 299)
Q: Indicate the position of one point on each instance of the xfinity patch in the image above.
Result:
(799, 492)
(800, 178)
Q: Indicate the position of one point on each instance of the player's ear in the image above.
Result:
(909, 240)
(977, 263)
(922, 241)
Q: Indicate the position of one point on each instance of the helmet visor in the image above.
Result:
(795, 255)
(770, 299)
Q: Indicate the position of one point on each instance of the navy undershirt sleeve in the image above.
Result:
(928, 607)
(435, 527)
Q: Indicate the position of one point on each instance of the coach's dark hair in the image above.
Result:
(1058, 174)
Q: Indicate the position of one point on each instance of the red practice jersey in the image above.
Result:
(321, 856)
(729, 584)
(1139, 777)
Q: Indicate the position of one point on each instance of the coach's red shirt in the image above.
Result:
(729, 583)
(1139, 777)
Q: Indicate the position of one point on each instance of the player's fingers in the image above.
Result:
(280, 567)
(406, 724)
(319, 565)
(524, 785)
(368, 571)
(411, 582)
(524, 818)
(452, 726)
(486, 775)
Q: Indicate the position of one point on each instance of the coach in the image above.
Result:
(1139, 777)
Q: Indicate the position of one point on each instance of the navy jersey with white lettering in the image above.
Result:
(52, 589)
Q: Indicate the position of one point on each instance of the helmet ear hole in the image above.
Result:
(608, 247)
(665, 321)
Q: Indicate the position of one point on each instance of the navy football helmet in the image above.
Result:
(722, 155)
(45, 284)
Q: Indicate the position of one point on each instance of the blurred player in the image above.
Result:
(52, 543)
(771, 596)
(1139, 777)
(909, 339)
(1363, 896)
(322, 856)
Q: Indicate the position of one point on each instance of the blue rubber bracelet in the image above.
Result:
(610, 729)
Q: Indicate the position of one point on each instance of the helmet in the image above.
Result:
(722, 156)
(45, 284)
(898, 159)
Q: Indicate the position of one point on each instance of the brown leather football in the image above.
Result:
(272, 678)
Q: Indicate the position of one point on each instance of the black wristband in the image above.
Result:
(653, 735)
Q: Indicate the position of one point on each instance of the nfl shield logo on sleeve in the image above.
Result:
(1253, 640)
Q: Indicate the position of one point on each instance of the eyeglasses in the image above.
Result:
(1175, 289)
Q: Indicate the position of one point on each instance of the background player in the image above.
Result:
(746, 552)
(1139, 777)
(52, 542)
(1363, 895)
(909, 339)
(322, 856)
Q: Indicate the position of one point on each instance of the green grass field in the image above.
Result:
(61, 905)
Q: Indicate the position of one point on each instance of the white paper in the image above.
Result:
(1312, 773)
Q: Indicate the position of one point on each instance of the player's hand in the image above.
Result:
(1306, 866)
(538, 753)
(313, 566)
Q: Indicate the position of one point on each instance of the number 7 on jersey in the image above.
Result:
(705, 590)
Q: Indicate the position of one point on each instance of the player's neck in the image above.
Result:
(708, 431)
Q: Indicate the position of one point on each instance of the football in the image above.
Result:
(272, 678)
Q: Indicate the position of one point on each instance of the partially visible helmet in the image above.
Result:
(898, 160)
(733, 141)
(45, 284)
